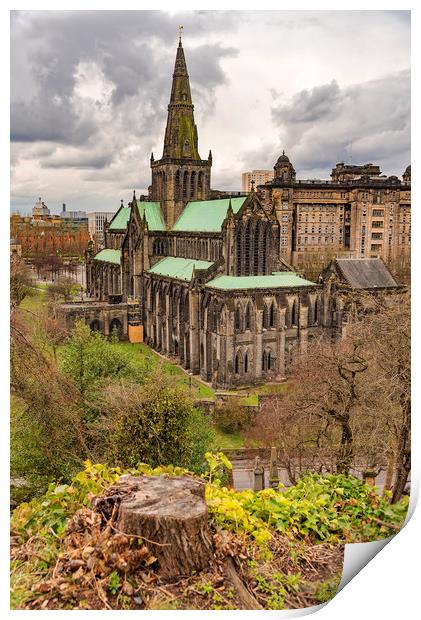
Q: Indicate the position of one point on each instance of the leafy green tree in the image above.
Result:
(48, 436)
(89, 360)
(62, 289)
(154, 422)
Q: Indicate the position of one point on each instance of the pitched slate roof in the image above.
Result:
(120, 219)
(179, 268)
(153, 214)
(206, 215)
(365, 273)
(281, 279)
(109, 256)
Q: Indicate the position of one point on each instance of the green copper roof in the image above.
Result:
(281, 279)
(120, 219)
(206, 215)
(179, 268)
(109, 256)
(153, 214)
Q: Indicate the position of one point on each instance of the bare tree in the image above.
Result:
(20, 281)
(348, 403)
(387, 333)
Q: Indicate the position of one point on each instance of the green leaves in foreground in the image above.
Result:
(331, 508)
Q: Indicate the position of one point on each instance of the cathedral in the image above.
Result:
(199, 275)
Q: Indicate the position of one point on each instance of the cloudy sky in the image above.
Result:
(90, 90)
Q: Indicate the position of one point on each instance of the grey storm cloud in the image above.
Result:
(82, 161)
(134, 51)
(89, 94)
(367, 121)
(49, 120)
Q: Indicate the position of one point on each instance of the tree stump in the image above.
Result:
(170, 513)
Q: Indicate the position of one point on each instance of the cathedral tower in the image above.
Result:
(180, 175)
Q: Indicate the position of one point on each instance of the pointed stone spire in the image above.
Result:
(152, 157)
(181, 133)
(144, 220)
(134, 201)
(230, 211)
(210, 155)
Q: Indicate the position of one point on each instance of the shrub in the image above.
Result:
(231, 417)
(154, 422)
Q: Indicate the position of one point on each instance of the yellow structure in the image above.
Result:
(135, 333)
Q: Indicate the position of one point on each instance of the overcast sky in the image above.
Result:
(90, 91)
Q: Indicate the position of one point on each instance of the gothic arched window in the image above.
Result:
(200, 186)
(294, 317)
(213, 317)
(185, 185)
(266, 360)
(247, 317)
(192, 184)
(247, 249)
(238, 363)
(266, 316)
(178, 185)
(238, 243)
(266, 250)
(246, 363)
(237, 318)
(272, 315)
(317, 311)
(258, 250)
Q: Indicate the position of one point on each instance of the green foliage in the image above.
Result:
(114, 582)
(232, 417)
(218, 465)
(62, 289)
(47, 515)
(89, 359)
(46, 435)
(339, 510)
(326, 590)
(202, 438)
(156, 423)
(332, 508)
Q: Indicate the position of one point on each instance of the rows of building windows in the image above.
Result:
(242, 362)
(244, 316)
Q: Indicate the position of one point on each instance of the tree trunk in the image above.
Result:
(403, 459)
(171, 515)
(389, 473)
(346, 451)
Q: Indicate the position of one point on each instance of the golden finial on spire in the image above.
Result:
(180, 28)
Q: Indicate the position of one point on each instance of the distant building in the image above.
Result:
(358, 213)
(44, 236)
(15, 247)
(76, 219)
(72, 215)
(96, 224)
(40, 210)
(260, 177)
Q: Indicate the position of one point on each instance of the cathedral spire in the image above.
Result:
(181, 132)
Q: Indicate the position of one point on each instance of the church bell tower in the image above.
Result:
(180, 175)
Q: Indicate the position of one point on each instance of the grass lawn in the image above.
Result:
(35, 302)
(228, 441)
(143, 353)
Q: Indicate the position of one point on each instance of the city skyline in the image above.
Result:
(86, 117)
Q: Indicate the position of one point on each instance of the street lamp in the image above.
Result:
(189, 372)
